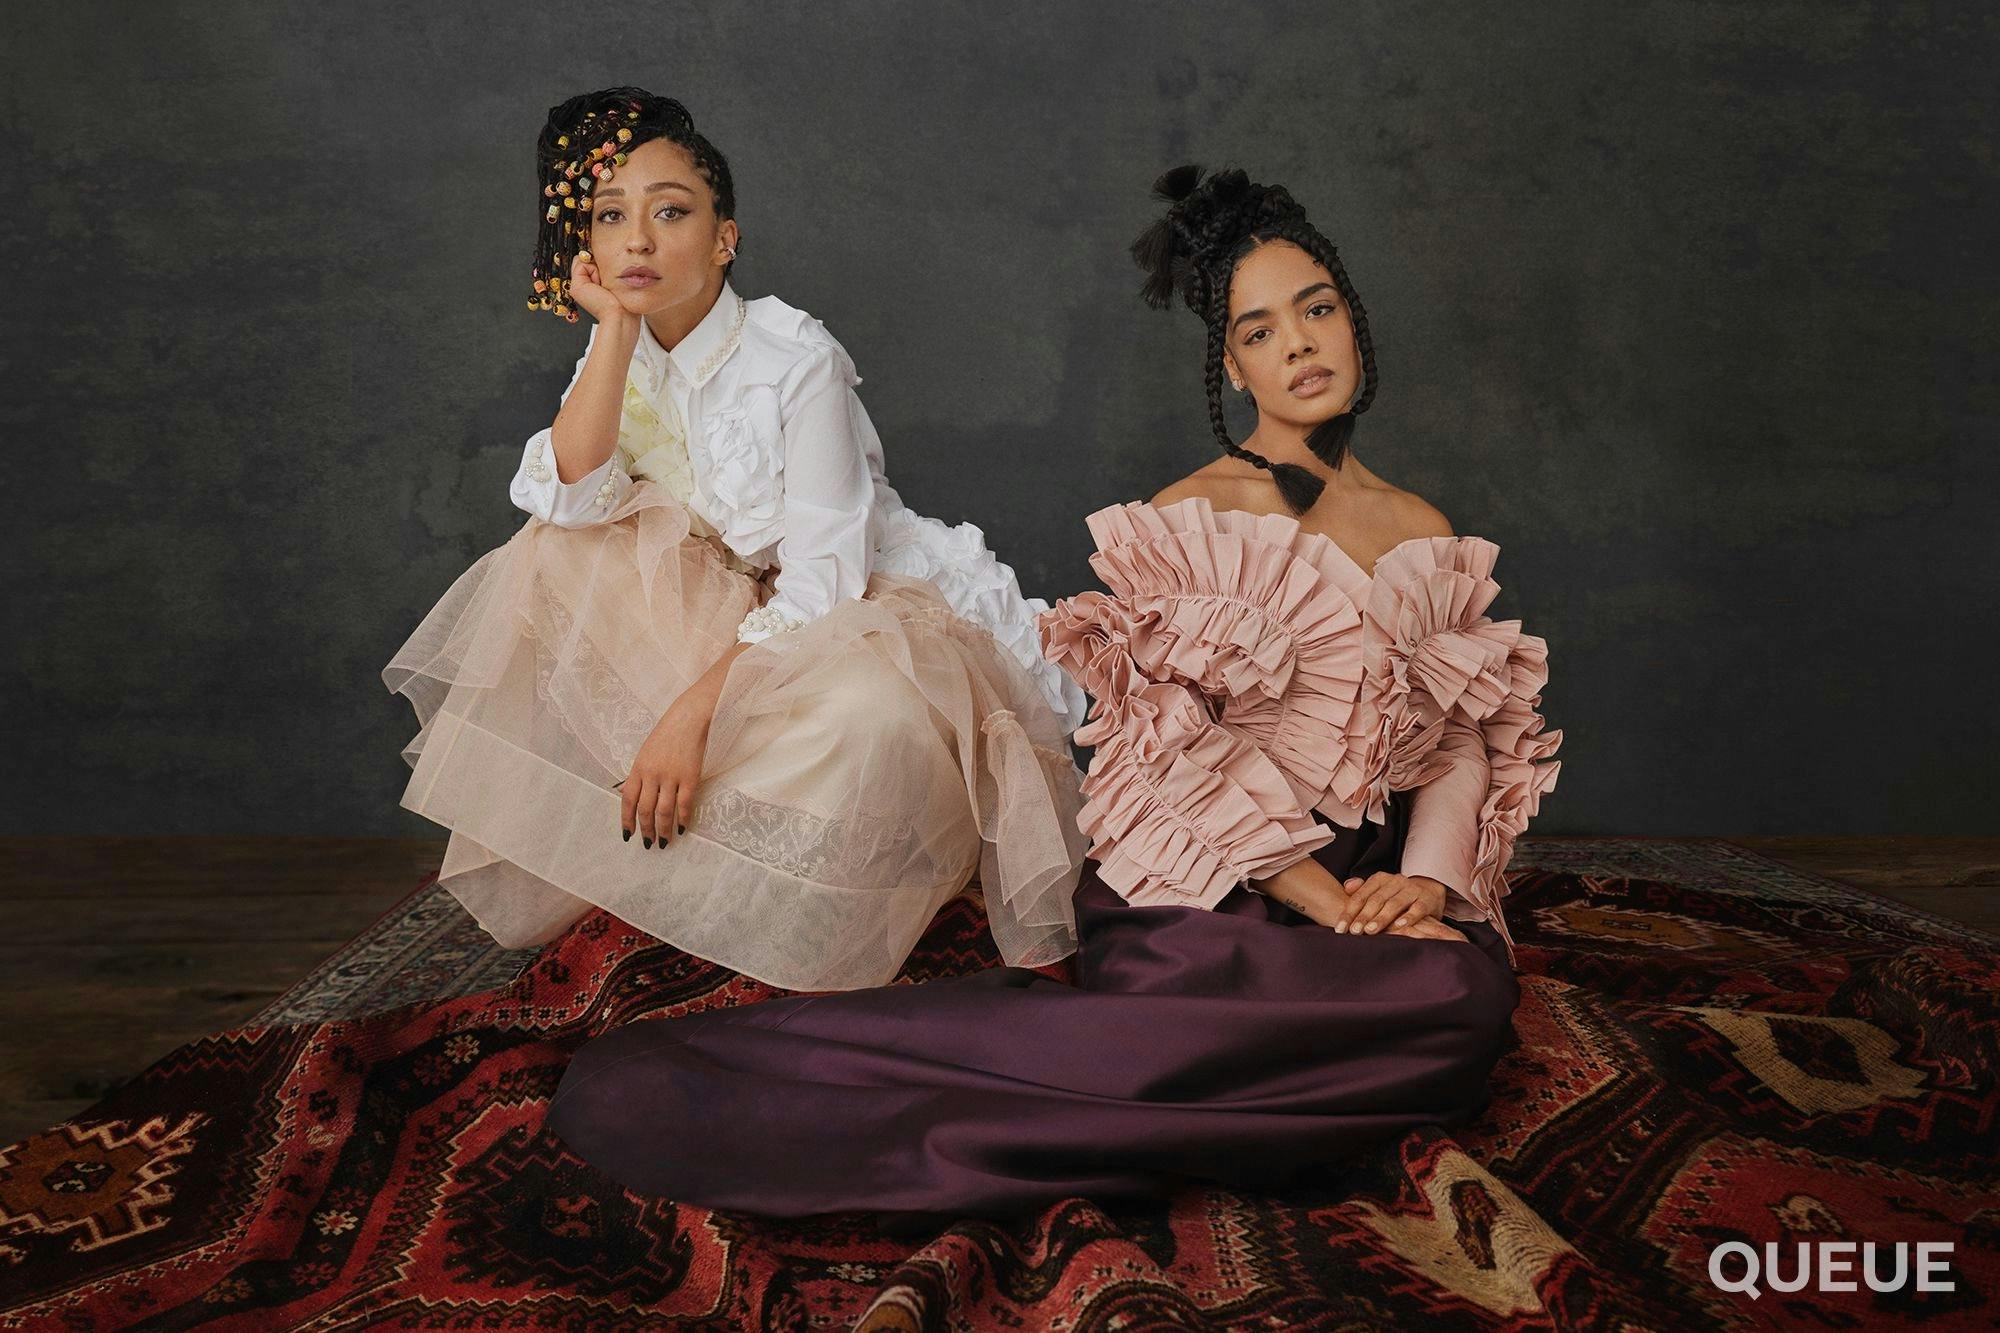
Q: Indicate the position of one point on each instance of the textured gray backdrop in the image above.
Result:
(1691, 307)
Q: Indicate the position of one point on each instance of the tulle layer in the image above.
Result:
(858, 772)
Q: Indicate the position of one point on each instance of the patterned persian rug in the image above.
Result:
(1715, 1048)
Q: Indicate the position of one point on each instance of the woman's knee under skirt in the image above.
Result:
(858, 770)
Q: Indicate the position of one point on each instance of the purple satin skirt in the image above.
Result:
(1245, 1046)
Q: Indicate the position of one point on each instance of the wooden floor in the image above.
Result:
(121, 949)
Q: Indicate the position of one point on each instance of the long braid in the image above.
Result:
(1209, 227)
(1211, 378)
(1329, 440)
(1299, 488)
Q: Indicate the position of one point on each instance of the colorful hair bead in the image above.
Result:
(579, 163)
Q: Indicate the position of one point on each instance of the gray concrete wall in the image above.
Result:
(1688, 306)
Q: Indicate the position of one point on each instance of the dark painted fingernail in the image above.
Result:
(628, 835)
(680, 830)
(648, 842)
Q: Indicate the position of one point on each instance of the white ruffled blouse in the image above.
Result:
(783, 465)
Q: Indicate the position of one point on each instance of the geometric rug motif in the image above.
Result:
(1712, 1049)
(428, 947)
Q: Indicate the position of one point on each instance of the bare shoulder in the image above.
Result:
(1226, 484)
(1418, 517)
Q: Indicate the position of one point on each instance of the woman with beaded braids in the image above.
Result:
(722, 682)
(1313, 754)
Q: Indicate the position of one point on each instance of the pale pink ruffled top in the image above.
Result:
(1245, 674)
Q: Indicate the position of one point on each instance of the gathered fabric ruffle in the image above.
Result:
(1250, 611)
(749, 491)
(1430, 652)
(858, 770)
(983, 589)
(1179, 807)
(1232, 632)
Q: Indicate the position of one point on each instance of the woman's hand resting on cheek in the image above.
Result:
(586, 288)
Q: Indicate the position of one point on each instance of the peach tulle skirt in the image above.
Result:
(859, 771)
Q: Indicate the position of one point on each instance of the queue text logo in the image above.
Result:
(1831, 1265)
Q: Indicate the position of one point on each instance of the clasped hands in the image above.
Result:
(1381, 903)
(1410, 905)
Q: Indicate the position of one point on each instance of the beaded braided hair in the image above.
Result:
(1209, 226)
(584, 142)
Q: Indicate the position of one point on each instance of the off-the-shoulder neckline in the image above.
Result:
(1367, 575)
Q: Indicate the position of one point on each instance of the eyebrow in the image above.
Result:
(616, 193)
(1260, 312)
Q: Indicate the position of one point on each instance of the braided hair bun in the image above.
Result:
(581, 147)
(1209, 226)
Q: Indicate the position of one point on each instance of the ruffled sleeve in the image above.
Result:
(1444, 816)
(1178, 808)
(1251, 611)
(1449, 706)
(1223, 668)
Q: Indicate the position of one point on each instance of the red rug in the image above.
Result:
(1698, 1066)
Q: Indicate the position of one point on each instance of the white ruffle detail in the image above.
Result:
(764, 621)
(981, 589)
(538, 468)
(745, 471)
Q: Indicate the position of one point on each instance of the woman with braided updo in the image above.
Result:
(723, 682)
(1313, 754)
